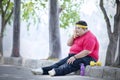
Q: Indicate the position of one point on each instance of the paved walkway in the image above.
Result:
(8, 72)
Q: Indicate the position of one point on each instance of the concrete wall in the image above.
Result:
(103, 72)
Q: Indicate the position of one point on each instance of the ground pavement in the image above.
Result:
(10, 72)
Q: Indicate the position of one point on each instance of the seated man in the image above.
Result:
(84, 48)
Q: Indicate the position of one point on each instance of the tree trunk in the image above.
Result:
(5, 15)
(1, 46)
(113, 36)
(112, 47)
(118, 57)
(117, 24)
(111, 50)
(117, 61)
(1, 35)
(54, 34)
(16, 29)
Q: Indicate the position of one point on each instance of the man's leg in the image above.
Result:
(87, 59)
(68, 68)
(44, 70)
(56, 65)
(65, 69)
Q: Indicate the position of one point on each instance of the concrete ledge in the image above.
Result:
(29, 63)
(11, 72)
(11, 61)
(118, 74)
(104, 72)
(94, 71)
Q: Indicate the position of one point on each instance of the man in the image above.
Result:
(84, 48)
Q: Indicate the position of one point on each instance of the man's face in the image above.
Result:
(79, 31)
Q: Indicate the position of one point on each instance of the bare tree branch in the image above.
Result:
(118, 9)
(117, 1)
(116, 18)
(1, 6)
(9, 16)
(7, 7)
(106, 19)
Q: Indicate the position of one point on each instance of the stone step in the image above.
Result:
(103, 72)
(8, 72)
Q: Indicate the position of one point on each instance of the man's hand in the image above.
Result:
(71, 60)
(75, 34)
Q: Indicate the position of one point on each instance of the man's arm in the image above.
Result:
(82, 54)
(77, 56)
(70, 41)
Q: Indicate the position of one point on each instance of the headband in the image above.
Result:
(81, 26)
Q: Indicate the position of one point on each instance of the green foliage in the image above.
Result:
(30, 11)
(7, 9)
(4, 2)
(68, 16)
(70, 12)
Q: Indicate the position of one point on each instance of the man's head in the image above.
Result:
(81, 24)
(80, 28)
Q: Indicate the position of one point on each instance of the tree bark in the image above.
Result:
(5, 19)
(117, 60)
(113, 36)
(117, 31)
(2, 28)
(117, 18)
(111, 50)
(1, 35)
(1, 46)
(16, 29)
(54, 34)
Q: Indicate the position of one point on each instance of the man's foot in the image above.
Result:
(38, 71)
(52, 72)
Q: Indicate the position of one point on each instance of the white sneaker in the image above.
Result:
(52, 72)
(38, 71)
